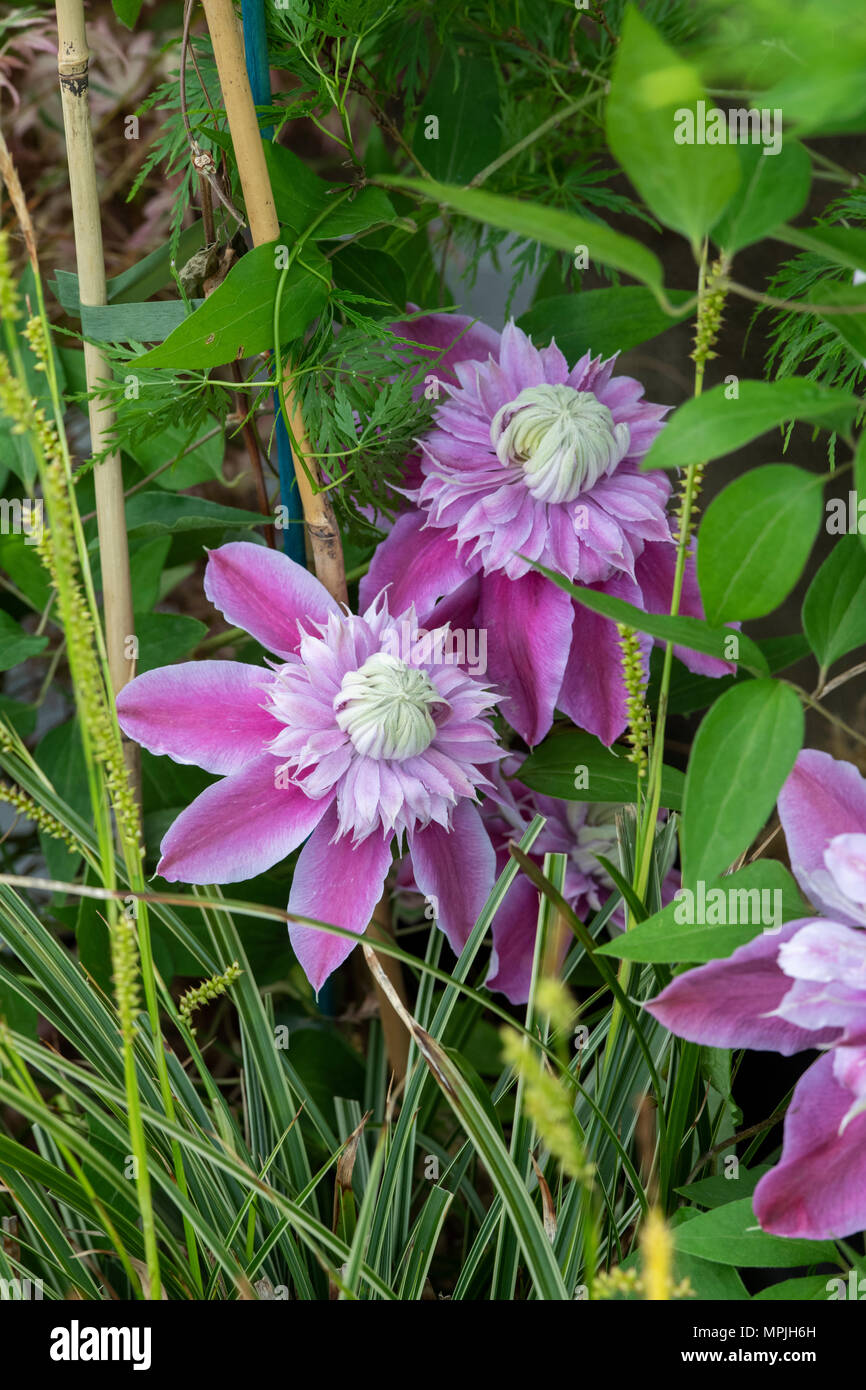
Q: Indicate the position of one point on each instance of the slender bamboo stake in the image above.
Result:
(230, 58)
(320, 523)
(73, 59)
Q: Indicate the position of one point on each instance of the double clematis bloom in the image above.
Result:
(353, 742)
(803, 987)
(530, 461)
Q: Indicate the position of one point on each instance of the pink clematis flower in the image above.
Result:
(581, 830)
(529, 458)
(803, 987)
(354, 741)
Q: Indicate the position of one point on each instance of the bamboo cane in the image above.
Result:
(228, 47)
(319, 520)
(73, 59)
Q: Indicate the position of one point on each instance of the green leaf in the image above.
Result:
(202, 462)
(375, 274)
(166, 637)
(711, 1281)
(708, 1281)
(463, 99)
(61, 757)
(16, 645)
(858, 499)
(693, 633)
(564, 231)
(712, 425)
(146, 563)
(155, 512)
(811, 1288)
(127, 11)
(719, 1190)
(25, 569)
(135, 323)
(730, 1235)
(690, 692)
(686, 185)
(140, 281)
(301, 196)
(16, 1011)
(772, 189)
(553, 767)
(834, 609)
(743, 751)
(851, 328)
(21, 716)
(841, 245)
(755, 539)
(600, 321)
(662, 939)
(237, 319)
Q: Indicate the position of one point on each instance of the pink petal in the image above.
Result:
(520, 360)
(593, 690)
(818, 1190)
(339, 883)
(654, 572)
(823, 797)
(460, 609)
(455, 870)
(458, 338)
(732, 1002)
(528, 622)
(265, 593)
(420, 565)
(514, 930)
(239, 827)
(207, 713)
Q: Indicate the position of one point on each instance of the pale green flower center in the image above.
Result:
(563, 439)
(385, 708)
(597, 835)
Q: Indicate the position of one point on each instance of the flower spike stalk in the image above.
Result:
(110, 782)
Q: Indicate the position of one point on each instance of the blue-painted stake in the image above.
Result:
(259, 73)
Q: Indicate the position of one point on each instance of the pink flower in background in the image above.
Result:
(581, 830)
(803, 987)
(529, 458)
(350, 743)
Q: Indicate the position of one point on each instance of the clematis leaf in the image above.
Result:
(552, 768)
(551, 226)
(755, 539)
(716, 423)
(770, 191)
(605, 321)
(463, 98)
(743, 751)
(237, 320)
(662, 939)
(683, 631)
(730, 1235)
(834, 609)
(686, 185)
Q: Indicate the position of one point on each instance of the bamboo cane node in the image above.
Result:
(73, 66)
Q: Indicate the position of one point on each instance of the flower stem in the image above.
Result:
(708, 321)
